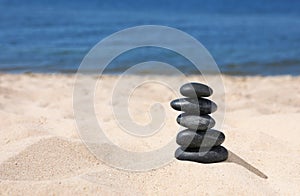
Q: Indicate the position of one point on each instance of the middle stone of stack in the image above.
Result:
(198, 142)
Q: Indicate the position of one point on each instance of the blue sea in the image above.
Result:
(258, 37)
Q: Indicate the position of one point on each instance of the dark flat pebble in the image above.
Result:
(196, 90)
(213, 155)
(194, 139)
(198, 106)
(195, 122)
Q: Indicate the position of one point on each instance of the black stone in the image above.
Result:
(195, 139)
(213, 155)
(197, 106)
(195, 122)
(196, 90)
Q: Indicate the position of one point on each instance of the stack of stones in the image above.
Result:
(199, 142)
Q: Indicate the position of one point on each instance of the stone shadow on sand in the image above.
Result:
(233, 158)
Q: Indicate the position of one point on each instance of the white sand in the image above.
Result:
(41, 153)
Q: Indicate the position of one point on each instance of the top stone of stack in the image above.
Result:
(194, 90)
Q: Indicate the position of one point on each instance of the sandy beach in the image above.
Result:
(41, 152)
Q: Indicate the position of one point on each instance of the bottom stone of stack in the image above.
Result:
(212, 155)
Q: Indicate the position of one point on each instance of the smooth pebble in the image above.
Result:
(213, 155)
(195, 90)
(195, 122)
(199, 106)
(193, 139)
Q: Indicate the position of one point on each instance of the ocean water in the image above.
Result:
(258, 37)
